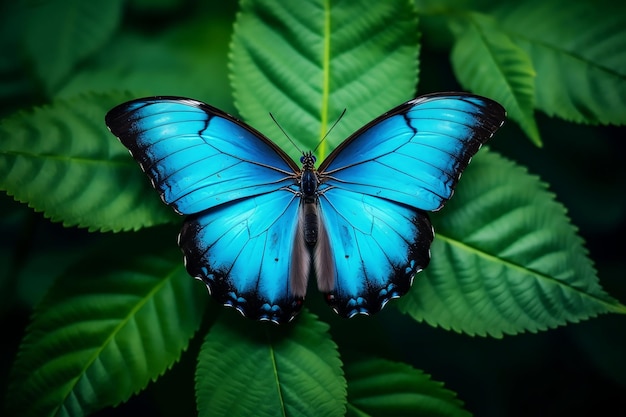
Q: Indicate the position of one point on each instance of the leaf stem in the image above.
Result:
(325, 80)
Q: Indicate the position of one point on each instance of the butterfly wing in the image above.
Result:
(378, 183)
(242, 251)
(239, 190)
(377, 245)
(197, 156)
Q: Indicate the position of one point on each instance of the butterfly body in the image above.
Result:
(308, 187)
(258, 224)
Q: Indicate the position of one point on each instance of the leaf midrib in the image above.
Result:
(272, 351)
(494, 56)
(122, 323)
(65, 158)
(560, 51)
(325, 79)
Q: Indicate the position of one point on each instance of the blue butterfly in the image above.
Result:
(258, 224)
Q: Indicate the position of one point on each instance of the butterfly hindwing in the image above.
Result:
(378, 246)
(377, 183)
(242, 251)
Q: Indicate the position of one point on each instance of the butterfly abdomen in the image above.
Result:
(311, 225)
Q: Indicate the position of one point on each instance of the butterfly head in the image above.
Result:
(307, 160)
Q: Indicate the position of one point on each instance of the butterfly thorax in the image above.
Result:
(308, 178)
(308, 189)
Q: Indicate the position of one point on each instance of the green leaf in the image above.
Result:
(251, 368)
(578, 50)
(61, 33)
(505, 259)
(62, 160)
(486, 61)
(378, 387)
(152, 63)
(324, 58)
(107, 328)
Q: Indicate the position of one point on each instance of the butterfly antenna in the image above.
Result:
(331, 128)
(285, 133)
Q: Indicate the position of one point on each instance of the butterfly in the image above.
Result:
(258, 224)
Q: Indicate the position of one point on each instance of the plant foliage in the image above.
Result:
(345, 61)
(380, 387)
(61, 161)
(270, 371)
(578, 55)
(506, 258)
(98, 338)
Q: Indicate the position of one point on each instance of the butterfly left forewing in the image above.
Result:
(197, 156)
